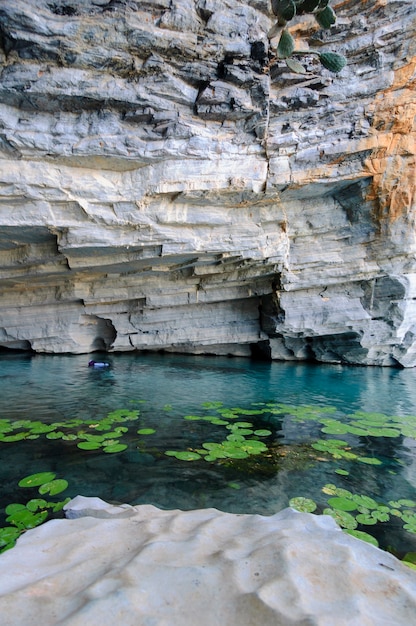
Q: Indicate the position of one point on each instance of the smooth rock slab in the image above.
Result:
(203, 567)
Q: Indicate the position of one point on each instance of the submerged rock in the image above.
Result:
(141, 565)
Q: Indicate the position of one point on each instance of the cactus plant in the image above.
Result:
(286, 10)
(286, 45)
(326, 18)
(332, 61)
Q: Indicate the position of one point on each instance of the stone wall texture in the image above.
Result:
(167, 184)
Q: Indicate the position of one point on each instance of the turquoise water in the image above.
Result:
(163, 389)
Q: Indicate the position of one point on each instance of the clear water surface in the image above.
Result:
(164, 389)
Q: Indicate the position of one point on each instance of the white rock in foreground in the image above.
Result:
(144, 566)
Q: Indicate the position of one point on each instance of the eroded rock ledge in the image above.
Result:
(164, 184)
(141, 565)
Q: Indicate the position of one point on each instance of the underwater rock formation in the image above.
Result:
(141, 565)
(166, 183)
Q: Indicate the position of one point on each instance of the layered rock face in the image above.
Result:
(166, 183)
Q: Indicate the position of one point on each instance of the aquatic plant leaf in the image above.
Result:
(27, 519)
(336, 429)
(236, 437)
(369, 460)
(34, 480)
(243, 431)
(365, 501)
(411, 528)
(368, 519)
(342, 504)
(252, 446)
(343, 493)
(355, 430)
(55, 435)
(146, 431)
(115, 447)
(409, 557)
(69, 437)
(405, 502)
(35, 504)
(304, 505)
(192, 417)
(13, 507)
(234, 485)
(58, 506)
(186, 455)
(212, 405)
(89, 445)
(9, 534)
(12, 438)
(342, 472)
(53, 487)
(262, 432)
(236, 454)
(360, 534)
(121, 429)
(380, 516)
(343, 518)
(40, 428)
(329, 489)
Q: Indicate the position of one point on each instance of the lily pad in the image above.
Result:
(342, 504)
(360, 534)
(369, 460)
(366, 519)
(185, 455)
(304, 505)
(343, 518)
(365, 501)
(34, 480)
(53, 487)
(26, 519)
(146, 431)
(89, 445)
(35, 504)
(115, 447)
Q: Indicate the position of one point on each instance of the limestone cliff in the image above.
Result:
(166, 183)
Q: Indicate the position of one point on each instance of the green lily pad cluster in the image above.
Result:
(242, 441)
(340, 449)
(22, 517)
(352, 510)
(89, 434)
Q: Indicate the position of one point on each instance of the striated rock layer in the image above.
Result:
(165, 183)
(140, 566)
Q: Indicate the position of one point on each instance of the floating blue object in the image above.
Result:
(97, 364)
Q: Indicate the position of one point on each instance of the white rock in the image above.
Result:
(200, 567)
